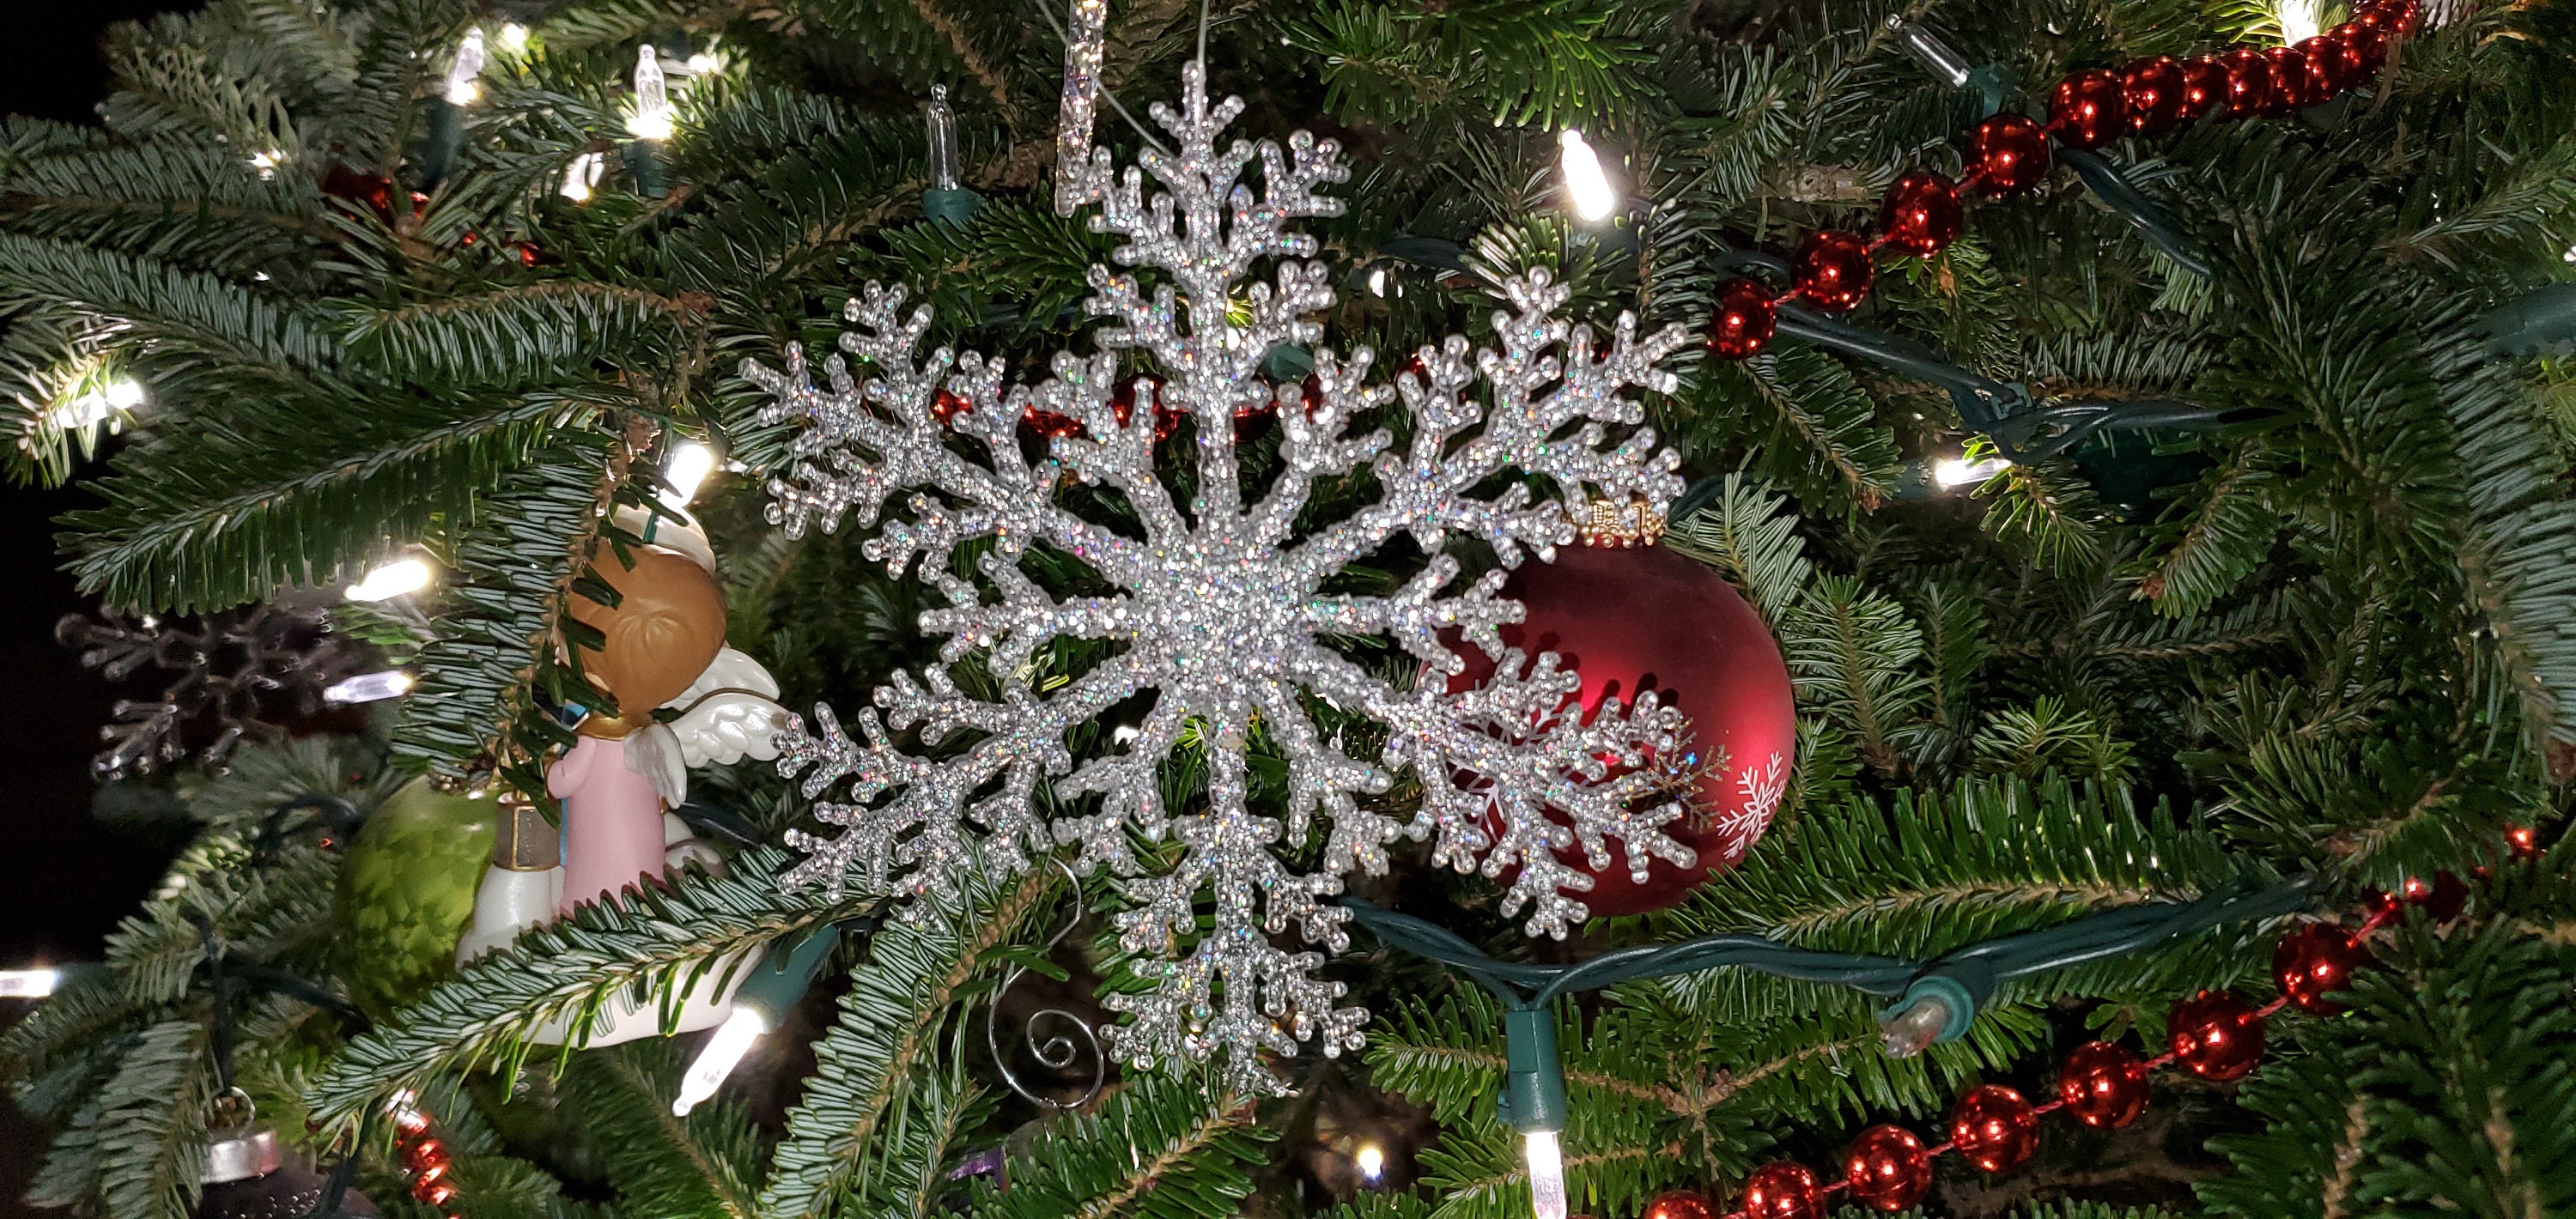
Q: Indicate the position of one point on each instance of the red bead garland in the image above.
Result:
(2158, 94)
(2315, 961)
(1743, 321)
(2216, 1035)
(1921, 215)
(1832, 269)
(2103, 1085)
(424, 1158)
(1887, 1169)
(1782, 1190)
(2088, 109)
(2007, 154)
(1994, 1128)
(1680, 1204)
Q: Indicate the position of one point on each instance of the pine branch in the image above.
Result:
(1160, 1148)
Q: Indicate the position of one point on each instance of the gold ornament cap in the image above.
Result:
(1606, 522)
(524, 840)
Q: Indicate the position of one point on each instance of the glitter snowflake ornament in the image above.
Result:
(1218, 611)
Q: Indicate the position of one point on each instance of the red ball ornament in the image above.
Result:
(946, 406)
(1680, 1204)
(1994, 1128)
(1743, 321)
(2103, 1085)
(1832, 270)
(2157, 92)
(2216, 1034)
(1647, 618)
(1921, 214)
(2291, 91)
(1887, 1168)
(2204, 85)
(1782, 1190)
(2314, 961)
(2007, 154)
(1122, 400)
(2249, 82)
(2399, 17)
(2444, 897)
(374, 190)
(2087, 109)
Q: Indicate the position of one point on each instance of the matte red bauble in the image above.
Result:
(2315, 961)
(2157, 94)
(2007, 154)
(1887, 1168)
(1782, 1190)
(1921, 215)
(1680, 1204)
(1743, 321)
(2087, 110)
(1647, 618)
(1994, 1128)
(2249, 82)
(2103, 1085)
(1832, 270)
(2204, 85)
(2216, 1034)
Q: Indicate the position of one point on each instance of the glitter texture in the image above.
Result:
(1081, 171)
(1217, 608)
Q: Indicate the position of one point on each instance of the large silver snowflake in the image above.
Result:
(1218, 607)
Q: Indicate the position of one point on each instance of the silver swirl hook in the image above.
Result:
(1061, 1050)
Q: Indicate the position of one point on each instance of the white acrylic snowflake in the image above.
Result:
(1218, 608)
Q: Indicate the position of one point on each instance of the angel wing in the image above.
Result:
(729, 713)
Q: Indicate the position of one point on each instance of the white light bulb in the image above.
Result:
(368, 688)
(2299, 21)
(1590, 188)
(582, 175)
(1951, 472)
(702, 63)
(652, 117)
(267, 162)
(390, 580)
(515, 37)
(28, 983)
(723, 1051)
(123, 394)
(1371, 1161)
(461, 74)
(1377, 281)
(685, 470)
(1546, 1174)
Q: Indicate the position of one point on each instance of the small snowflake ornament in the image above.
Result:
(1218, 610)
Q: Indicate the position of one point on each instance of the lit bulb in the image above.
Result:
(1371, 1161)
(514, 37)
(687, 467)
(28, 983)
(1546, 1174)
(1952, 472)
(267, 162)
(701, 63)
(461, 89)
(1377, 282)
(2298, 21)
(652, 117)
(124, 394)
(723, 1051)
(582, 175)
(1593, 198)
(391, 580)
(368, 688)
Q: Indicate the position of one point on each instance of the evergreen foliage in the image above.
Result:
(2332, 638)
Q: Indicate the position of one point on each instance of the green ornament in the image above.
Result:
(407, 887)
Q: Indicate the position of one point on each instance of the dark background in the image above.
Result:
(69, 878)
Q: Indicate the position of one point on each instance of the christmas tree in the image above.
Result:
(1481, 609)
